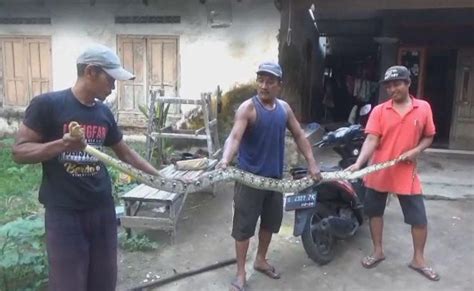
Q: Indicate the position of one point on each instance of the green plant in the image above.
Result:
(23, 260)
(136, 243)
(159, 150)
(18, 186)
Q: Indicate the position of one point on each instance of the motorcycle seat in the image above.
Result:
(330, 168)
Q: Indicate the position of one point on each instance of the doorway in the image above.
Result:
(439, 91)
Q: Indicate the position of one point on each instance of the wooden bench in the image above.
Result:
(170, 203)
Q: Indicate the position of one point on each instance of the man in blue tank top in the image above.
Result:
(258, 135)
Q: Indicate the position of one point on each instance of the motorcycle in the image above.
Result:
(331, 210)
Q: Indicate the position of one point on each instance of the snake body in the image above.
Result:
(230, 173)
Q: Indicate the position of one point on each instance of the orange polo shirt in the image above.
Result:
(398, 134)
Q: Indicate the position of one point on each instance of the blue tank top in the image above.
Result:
(262, 147)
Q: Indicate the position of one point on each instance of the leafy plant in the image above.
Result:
(160, 148)
(136, 243)
(23, 260)
(18, 186)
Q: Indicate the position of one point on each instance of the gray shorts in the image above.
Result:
(249, 205)
(413, 206)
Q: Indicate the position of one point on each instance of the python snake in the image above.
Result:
(230, 173)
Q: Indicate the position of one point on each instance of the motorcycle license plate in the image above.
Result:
(300, 201)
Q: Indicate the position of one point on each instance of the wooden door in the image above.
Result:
(25, 69)
(462, 131)
(154, 61)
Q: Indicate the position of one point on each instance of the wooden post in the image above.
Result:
(151, 121)
(205, 112)
(128, 212)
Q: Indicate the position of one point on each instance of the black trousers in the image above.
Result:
(82, 249)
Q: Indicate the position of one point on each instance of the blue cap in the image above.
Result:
(271, 68)
(105, 58)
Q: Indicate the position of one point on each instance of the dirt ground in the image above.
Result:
(204, 238)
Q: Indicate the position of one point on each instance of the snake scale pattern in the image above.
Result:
(230, 173)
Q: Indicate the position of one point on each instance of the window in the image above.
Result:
(25, 69)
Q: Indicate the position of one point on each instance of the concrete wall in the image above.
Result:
(207, 56)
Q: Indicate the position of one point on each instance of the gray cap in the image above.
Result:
(271, 68)
(396, 73)
(105, 58)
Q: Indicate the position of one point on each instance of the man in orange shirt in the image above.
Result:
(402, 126)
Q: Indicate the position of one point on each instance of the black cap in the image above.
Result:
(396, 73)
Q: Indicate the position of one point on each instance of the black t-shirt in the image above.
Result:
(73, 180)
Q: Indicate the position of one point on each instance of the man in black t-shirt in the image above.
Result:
(76, 191)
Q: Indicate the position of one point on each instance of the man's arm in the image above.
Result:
(302, 142)
(412, 154)
(370, 144)
(232, 143)
(30, 149)
(129, 156)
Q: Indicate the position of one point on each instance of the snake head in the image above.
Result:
(75, 129)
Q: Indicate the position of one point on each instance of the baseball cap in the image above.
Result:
(105, 58)
(396, 73)
(271, 68)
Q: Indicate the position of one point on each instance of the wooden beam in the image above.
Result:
(206, 101)
(178, 100)
(147, 222)
(178, 135)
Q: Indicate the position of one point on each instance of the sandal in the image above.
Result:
(427, 272)
(370, 262)
(235, 286)
(270, 272)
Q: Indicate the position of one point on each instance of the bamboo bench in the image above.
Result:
(171, 203)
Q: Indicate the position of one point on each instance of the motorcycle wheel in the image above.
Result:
(318, 244)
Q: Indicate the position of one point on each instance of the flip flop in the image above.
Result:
(427, 272)
(234, 285)
(270, 272)
(370, 262)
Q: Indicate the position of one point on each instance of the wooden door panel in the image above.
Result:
(131, 92)
(15, 72)
(169, 63)
(155, 61)
(462, 132)
(39, 52)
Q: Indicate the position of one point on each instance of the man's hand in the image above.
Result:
(315, 173)
(74, 140)
(354, 167)
(223, 164)
(410, 156)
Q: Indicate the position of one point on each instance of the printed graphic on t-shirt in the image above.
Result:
(80, 163)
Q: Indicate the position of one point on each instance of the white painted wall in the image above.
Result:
(208, 56)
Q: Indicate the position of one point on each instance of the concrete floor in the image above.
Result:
(204, 238)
